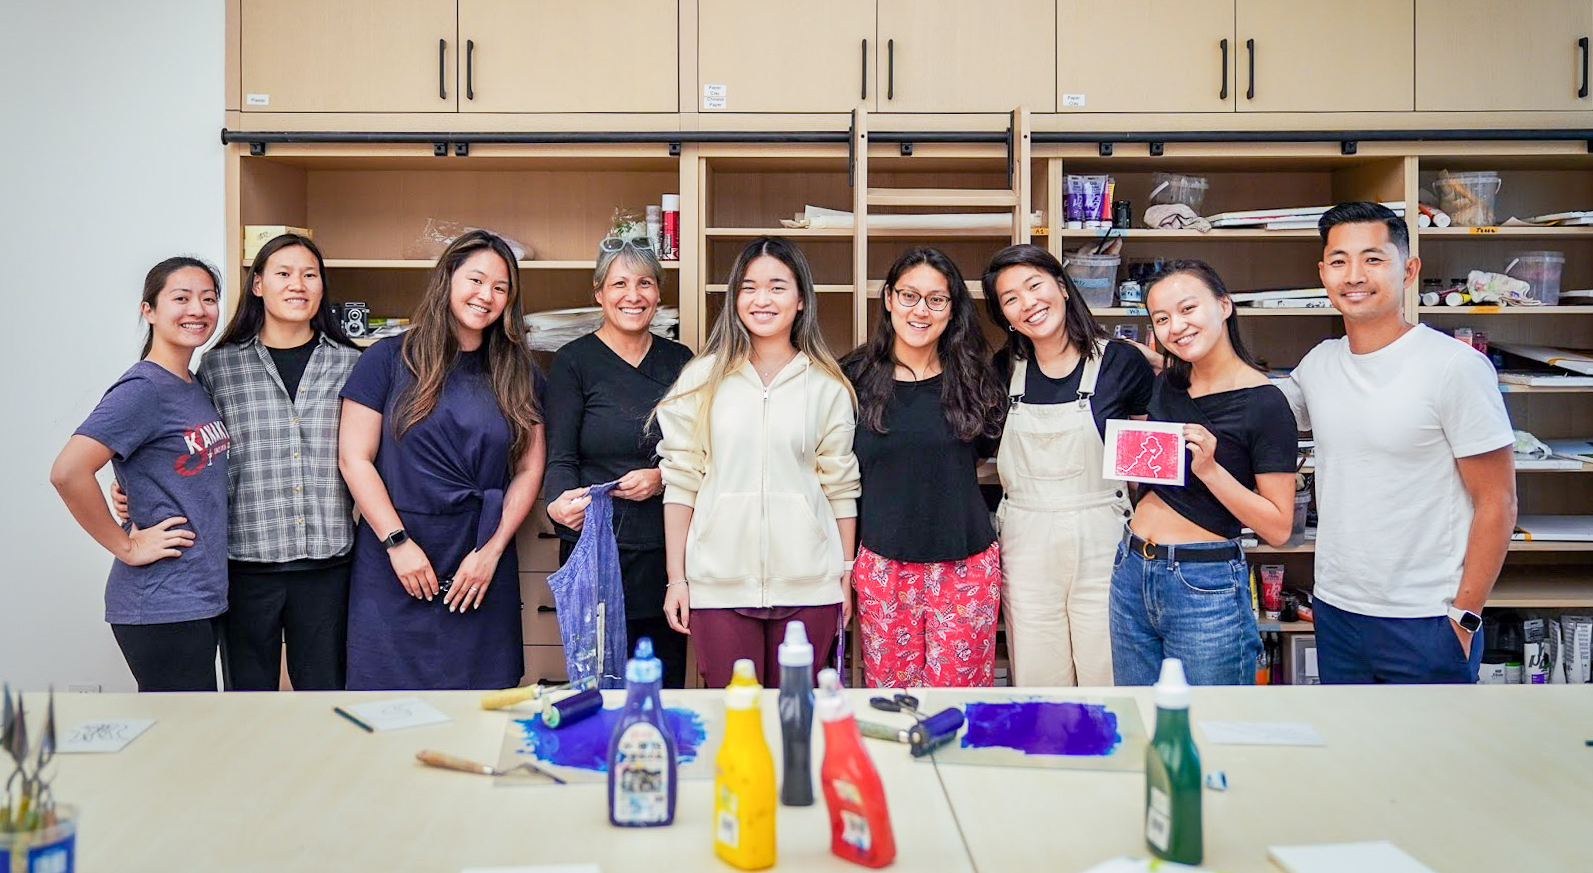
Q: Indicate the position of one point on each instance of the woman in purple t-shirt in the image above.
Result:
(158, 429)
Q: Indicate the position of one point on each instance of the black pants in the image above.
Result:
(174, 656)
(643, 575)
(307, 608)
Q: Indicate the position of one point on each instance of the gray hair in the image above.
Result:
(640, 260)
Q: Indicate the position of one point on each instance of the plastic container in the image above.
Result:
(641, 752)
(1468, 198)
(1541, 270)
(45, 850)
(1095, 276)
(860, 819)
(1178, 188)
(744, 792)
(1173, 828)
(796, 716)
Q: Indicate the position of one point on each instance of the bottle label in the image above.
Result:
(855, 832)
(1159, 820)
(641, 776)
(847, 792)
(728, 831)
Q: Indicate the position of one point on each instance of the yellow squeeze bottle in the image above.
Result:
(744, 792)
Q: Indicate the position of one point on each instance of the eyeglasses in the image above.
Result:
(935, 302)
(614, 243)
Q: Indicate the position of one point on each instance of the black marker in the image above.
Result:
(350, 716)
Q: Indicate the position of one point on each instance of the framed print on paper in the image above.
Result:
(1144, 451)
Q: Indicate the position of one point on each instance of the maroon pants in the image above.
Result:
(724, 635)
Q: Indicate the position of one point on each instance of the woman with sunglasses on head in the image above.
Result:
(760, 484)
(1180, 583)
(157, 427)
(442, 447)
(600, 392)
(928, 571)
(1059, 518)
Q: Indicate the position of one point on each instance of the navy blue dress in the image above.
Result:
(446, 477)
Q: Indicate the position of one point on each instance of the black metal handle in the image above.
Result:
(470, 69)
(1223, 94)
(890, 69)
(1582, 44)
(1250, 46)
(865, 69)
(442, 69)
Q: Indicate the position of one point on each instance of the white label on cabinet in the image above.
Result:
(719, 91)
(713, 102)
(257, 99)
(1072, 99)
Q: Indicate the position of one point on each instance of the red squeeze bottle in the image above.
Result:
(860, 821)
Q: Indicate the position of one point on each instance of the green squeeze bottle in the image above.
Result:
(1172, 774)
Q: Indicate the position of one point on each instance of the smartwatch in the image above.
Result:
(1469, 621)
(396, 538)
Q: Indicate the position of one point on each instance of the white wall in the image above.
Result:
(110, 160)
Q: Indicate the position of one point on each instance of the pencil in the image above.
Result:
(350, 716)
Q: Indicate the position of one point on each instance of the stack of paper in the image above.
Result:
(549, 331)
(1296, 218)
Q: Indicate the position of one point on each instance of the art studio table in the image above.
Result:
(1463, 778)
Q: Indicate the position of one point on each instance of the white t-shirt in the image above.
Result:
(1393, 514)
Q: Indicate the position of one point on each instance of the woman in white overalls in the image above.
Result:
(1060, 520)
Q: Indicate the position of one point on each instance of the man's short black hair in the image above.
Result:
(1365, 212)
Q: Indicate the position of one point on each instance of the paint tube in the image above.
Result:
(1578, 646)
(1272, 591)
(1536, 649)
(1074, 208)
(1556, 655)
(1105, 218)
(1094, 198)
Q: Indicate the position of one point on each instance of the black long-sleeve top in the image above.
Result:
(596, 409)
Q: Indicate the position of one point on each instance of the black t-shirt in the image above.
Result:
(1255, 432)
(1122, 389)
(291, 363)
(921, 501)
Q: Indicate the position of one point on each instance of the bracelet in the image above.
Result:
(674, 583)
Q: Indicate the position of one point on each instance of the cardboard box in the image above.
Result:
(255, 236)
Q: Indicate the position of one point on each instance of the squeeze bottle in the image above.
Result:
(744, 800)
(860, 820)
(796, 716)
(1172, 774)
(641, 754)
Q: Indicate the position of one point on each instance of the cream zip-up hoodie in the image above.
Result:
(766, 489)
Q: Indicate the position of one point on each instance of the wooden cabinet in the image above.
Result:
(568, 56)
(349, 56)
(772, 56)
(1145, 56)
(955, 56)
(1471, 57)
(1309, 56)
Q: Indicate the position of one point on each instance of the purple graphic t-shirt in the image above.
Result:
(169, 450)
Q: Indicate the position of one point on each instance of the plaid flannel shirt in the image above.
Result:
(286, 498)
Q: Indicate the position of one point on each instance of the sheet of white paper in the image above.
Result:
(1382, 856)
(103, 735)
(398, 713)
(1261, 733)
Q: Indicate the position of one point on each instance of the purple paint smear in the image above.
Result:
(585, 743)
(1039, 728)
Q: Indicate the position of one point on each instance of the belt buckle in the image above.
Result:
(1145, 549)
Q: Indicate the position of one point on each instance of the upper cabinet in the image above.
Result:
(1311, 56)
(956, 56)
(1533, 56)
(775, 56)
(1182, 57)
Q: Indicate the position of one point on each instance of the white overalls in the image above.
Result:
(1060, 523)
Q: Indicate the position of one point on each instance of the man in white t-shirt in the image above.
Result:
(1415, 481)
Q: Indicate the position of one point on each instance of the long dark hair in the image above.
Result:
(431, 348)
(1082, 328)
(970, 397)
(250, 316)
(155, 282)
(1177, 369)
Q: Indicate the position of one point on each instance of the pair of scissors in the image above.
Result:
(897, 703)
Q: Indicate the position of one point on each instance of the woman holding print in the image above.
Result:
(442, 448)
(1180, 583)
(156, 426)
(601, 391)
(1059, 518)
(928, 571)
(760, 485)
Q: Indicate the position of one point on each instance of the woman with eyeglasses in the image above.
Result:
(1060, 519)
(602, 388)
(760, 484)
(928, 570)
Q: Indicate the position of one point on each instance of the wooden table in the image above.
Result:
(1465, 779)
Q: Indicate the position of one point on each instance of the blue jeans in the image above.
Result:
(1196, 611)
(1355, 649)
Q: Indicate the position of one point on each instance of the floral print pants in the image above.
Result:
(928, 624)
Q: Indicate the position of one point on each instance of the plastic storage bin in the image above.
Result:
(1468, 197)
(1095, 276)
(1541, 270)
(1177, 188)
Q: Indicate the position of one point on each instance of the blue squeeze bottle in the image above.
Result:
(641, 754)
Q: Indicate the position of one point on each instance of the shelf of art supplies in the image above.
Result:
(1515, 546)
(1507, 231)
(1272, 625)
(1504, 310)
(1543, 587)
(420, 264)
(1214, 235)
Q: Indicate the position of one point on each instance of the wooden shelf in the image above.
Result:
(1543, 587)
(941, 197)
(1482, 233)
(1309, 547)
(845, 233)
(1305, 548)
(788, 232)
(1234, 234)
(1504, 310)
(1140, 312)
(976, 289)
(1585, 468)
(1510, 388)
(397, 264)
(1272, 625)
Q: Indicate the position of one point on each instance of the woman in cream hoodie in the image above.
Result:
(760, 485)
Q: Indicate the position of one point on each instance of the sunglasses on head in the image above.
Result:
(614, 243)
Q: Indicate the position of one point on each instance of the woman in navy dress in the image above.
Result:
(442, 446)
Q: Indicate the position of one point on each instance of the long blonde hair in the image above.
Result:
(729, 344)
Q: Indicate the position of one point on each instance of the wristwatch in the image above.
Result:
(1469, 621)
(396, 538)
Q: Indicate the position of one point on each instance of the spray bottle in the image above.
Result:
(1172, 774)
(744, 795)
(641, 754)
(796, 716)
(860, 821)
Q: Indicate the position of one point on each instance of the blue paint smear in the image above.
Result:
(1042, 728)
(585, 744)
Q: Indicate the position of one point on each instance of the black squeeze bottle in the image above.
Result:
(796, 716)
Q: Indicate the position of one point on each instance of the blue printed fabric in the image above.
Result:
(590, 598)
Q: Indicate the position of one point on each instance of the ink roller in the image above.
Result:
(576, 707)
(511, 696)
(934, 731)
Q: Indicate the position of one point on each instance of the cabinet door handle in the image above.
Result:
(865, 69)
(1250, 46)
(1223, 94)
(442, 69)
(1582, 44)
(890, 69)
(470, 69)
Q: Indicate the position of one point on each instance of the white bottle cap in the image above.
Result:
(671, 202)
(796, 651)
(832, 704)
(1172, 690)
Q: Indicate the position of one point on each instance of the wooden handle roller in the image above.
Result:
(510, 696)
